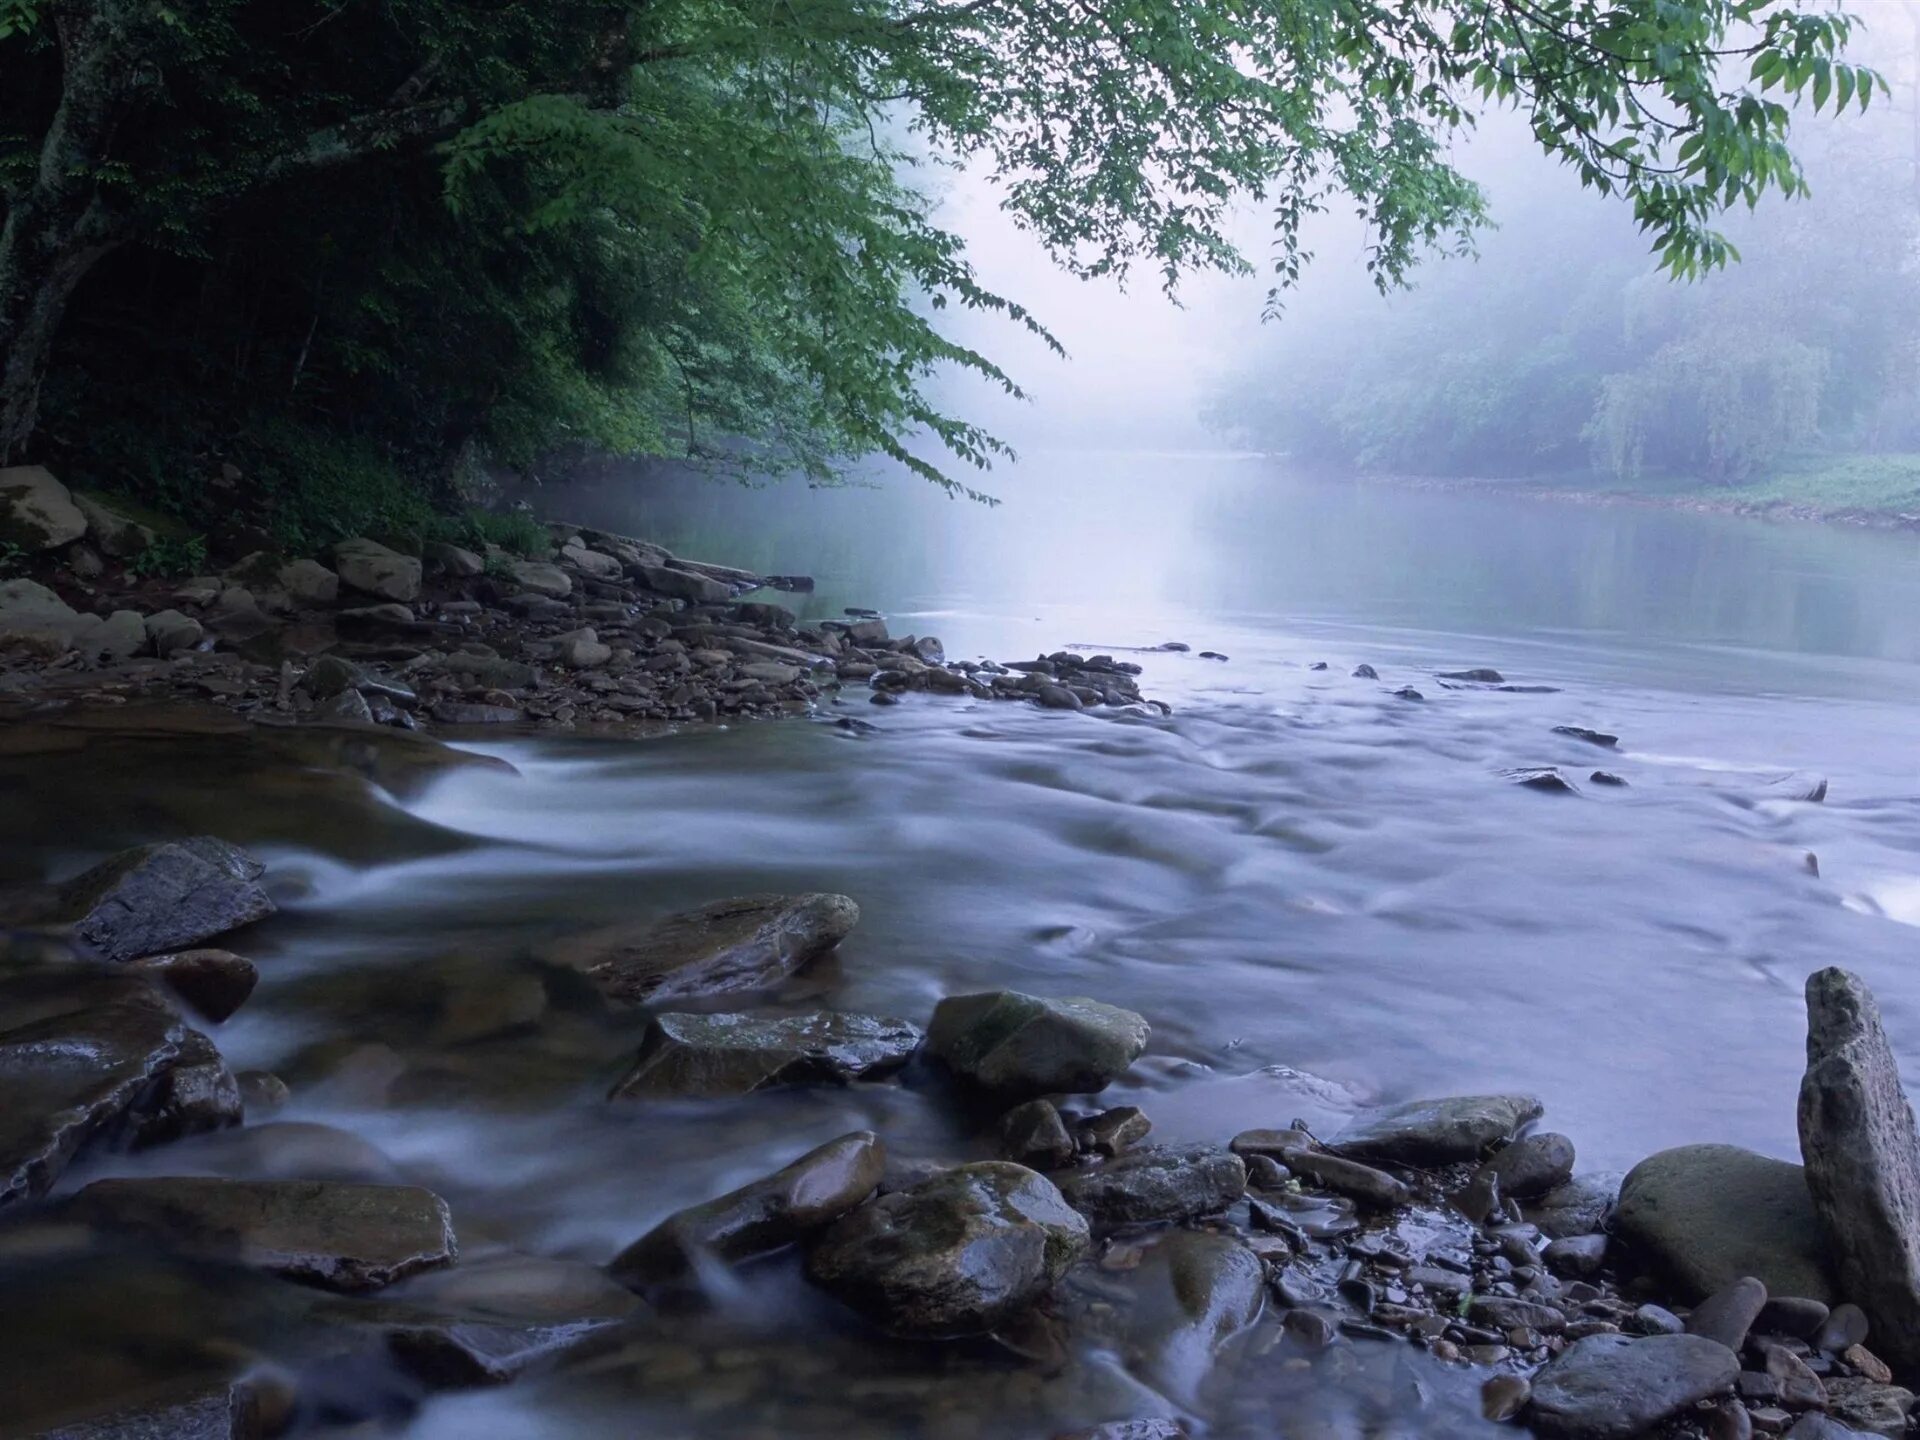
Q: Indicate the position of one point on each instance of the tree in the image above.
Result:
(664, 220)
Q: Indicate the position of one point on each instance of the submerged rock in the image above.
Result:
(1612, 1387)
(214, 982)
(1019, 1046)
(1862, 1155)
(730, 946)
(959, 1254)
(1436, 1132)
(1592, 737)
(769, 1214)
(736, 1054)
(1192, 1292)
(152, 899)
(1710, 1214)
(1157, 1185)
(338, 1236)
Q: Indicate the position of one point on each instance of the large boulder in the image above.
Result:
(1436, 1132)
(1157, 1185)
(770, 1214)
(373, 569)
(1017, 1046)
(152, 899)
(1862, 1155)
(32, 615)
(86, 1056)
(541, 578)
(308, 582)
(115, 534)
(959, 1254)
(36, 511)
(683, 584)
(735, 1054)
(326, 1233)
(1709, 1214)
(1613, 1387)
(729, 947)
(170, 631)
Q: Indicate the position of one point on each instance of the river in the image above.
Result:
(1319, 893)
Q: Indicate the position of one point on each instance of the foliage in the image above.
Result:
(13, 558)
(476, 529)
(427, 236)
(168, 556)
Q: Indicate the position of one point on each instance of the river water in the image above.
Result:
(1320, 894)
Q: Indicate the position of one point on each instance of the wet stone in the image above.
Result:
(1532, 1165)
(1113, 1131)
(1020, 1046)
(1845, 1325)
(1578, 1255)
(769, 1214)
(153, 899)
(730, 1054)
(1729, 1313)
(1436, 1132)
(1582, 1206)
(1191, 1293)
(1348, 1177)
(959, 1254)
(1504, 1396)
(1034, 1135)
(1157, 1185)
(1793, 1315)
(214, 982)
(1611, 1387)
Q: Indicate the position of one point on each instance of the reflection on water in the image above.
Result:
(1319, 893)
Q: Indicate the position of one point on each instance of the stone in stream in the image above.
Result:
(1157, 1185)
(1018, 1046)
(337, 1236)
(1710, 1214)
(1113, 1131)
(214, 982)
(1348, 1177)
(736, 1054)
(1034, 1135)
(1592, 737)
(1728, 1314)
(1480, 676)
(373, 569)
(769, 1214)
(1271, 1143)
(1436, 1132)
(960, 1254)
(1544, 778)
(1191, 1293)
(90, 1057)
(744, 944)
(152, 899)
(1532, 1165)
(1582, 1206)
(463, 1355)
(1612, 1387)
(1862, 1155)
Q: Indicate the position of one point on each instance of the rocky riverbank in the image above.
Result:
(1157, 1289)
(601, 633)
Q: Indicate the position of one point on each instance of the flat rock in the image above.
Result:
(214, 982)
(150, 900)
(373, 569)
(541, 578)
(36, 511)
(729, 947)
(1157, 1185)
(683, 584)
(1018, 1046)
(85, 1058)
(735, 1054)
(959, 1254)
(1436, 1132)
(1869, 1405)
(769, 1214)
(338, 1236)
(1612, 1387)
(1862, 1155)
(1710, 1214)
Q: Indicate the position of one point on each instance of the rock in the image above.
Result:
(262, 1093)
(481, 1007)
(683, 584)
(1577, 1255)
(1131, 1430)
(1034, 1135)
(591, 562)
(467, 1354)
(1544, 778)
(748, 943)
(1019, 1046)
(308, 582)
(170, 632)
(1348, 1177)
(1191, 1293)
(1481, 676)
(1436, 1132)
(1612, 1387)
(1710, 1214)
(1504, 1312)
(1157, 1185)
(1728, 1314)
(959, 1254)
(214, 982)
(373, 569)
(770, 1214)
(1798, 1387)
(460, 712)
(1869, 1405)
(583, 650)
(770, 672)
(521, 1289)
(1862, 1155)
(1815, 1426)
(736, 1054)
(1607, 777)
(1793, 1315)
(1365, 672)
(1869, 1365)
(541, 578)
(36, 511)
(1532, 1165)
(1113, 1131)
(160, 898)
(337, 1236)
(1582, 1206)
(1057, 697)
(1592, 737)
(83, 1058)
(1271, 1143)
(111, 532)
(1657, 1320)
(1844, 1326)
(1504, 1396)
(32, 615)
(453, 560)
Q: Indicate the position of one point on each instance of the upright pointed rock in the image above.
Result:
(1862, 1154)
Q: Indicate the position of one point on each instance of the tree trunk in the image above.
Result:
(59, 223)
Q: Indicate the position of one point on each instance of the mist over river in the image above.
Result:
(1321, 894)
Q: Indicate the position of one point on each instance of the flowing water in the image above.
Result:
(1320, 894)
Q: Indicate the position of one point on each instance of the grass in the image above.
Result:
(1888, 483)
